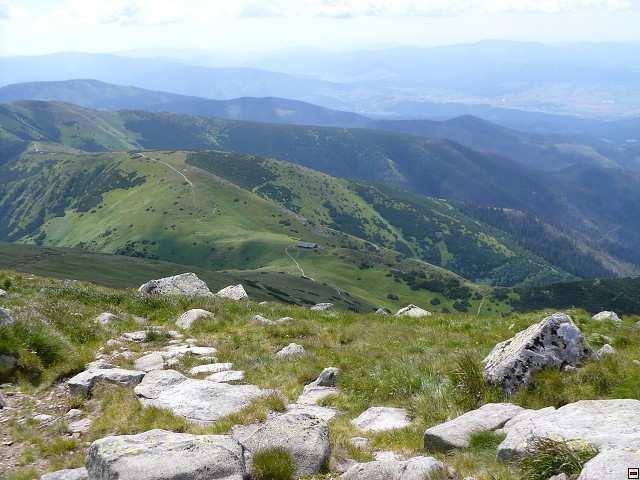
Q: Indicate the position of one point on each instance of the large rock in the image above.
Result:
(554, 342)
(610, 464)
(5, 318)
(211, 368)
(605, 424)
(233, 292)
(188, 318)
(606, 316)
(226, 376)
(380, 419)
(150, 362)
(155, 382)
(69, 474)
(202, 401)
(413, 311)
(456, 433)
(163, 455)
(416, 468)
(83, 383)
(305, 437)
(321, 307)
(187, 284)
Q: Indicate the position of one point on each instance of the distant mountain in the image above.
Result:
(542, 152)
(597, 223)
(106, 96)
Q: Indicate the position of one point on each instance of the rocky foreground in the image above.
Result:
(151, 362)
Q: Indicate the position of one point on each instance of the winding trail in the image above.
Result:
(175, 170)
(286, 250)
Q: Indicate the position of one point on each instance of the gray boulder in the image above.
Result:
(163, 455)
(155, 382)
(416, 468)
(554, 342)
(605, 424)
(188, 318)
(381, 419)
(70, 474)
(293, 350)
(262, 320)
(321, 387)
(605, 351)
(202, 401)
(226, 376)
(211, 368)
(83, 383)
(413, 311)
(150, 362)
(233, 292)
(187, 284)
(305, 437)
(106, 318)
(606, 316)
(321, 307)
(456, 433)
(5, 318)
(610, 464)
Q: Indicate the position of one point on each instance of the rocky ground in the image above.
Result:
(177, 382)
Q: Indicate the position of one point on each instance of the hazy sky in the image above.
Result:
(44, 26)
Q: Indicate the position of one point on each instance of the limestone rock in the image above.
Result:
(233, 292)
(380, 419)
(321, 307)
(83, 383)
(202, 401)
(456, 433)
(293, 350)
(226, 376)
(610, 464)
(5, 318)
(211, 368)
(187, 284)
(416, 468)
(305, 437)
(413, 311)
(606, 316)
(188, 318)
(106, 318)
(553, 342)
(163, 455)
(605, 424)
(69, 474)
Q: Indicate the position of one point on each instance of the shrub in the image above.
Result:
(546, 457)
(273, 464)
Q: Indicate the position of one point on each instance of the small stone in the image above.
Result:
(359, 442)
(291, 351)
(606, 350)
(99, 364)
(73, 414)
(380, 419)
(5, 318)
(261, 320)
(188, 318)
(150, 362)
(226, 376)
(80, 426)
(382, 311)
(106, 318)
(606, 316)
(233, 292)
(416, 468)
(321, 307)
(69, 474)
(211, 368)
(43, 418)
(3, 293)
(413, 311)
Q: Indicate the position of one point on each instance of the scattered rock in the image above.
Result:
(106, 318)
(261, 320)
(284, 320)
(233, 292)
(606, 316)
(413, 311)
(157, 381)
(359, 442)
(99, 364)
(293, 350)
(83, 383)
(416, 468)
(70, 474)
(605, 424)
(3, 293)
(150, 362)
(80, 426)
(456, 433)
(321, 387)
(605, 350)
(43, 418)
(553, 342)
(73, 414)
(188, 318)
(325, 413)
(137, 336)
(305, 437)
(570, 369)
(211, 368)
(3, 401)
(164, 455)
(226, 376)
(611, 464)
(321, 307)
(187, 284)
(382, 311)
(561, 476)
(380, 419)
(200, 401)
(5, 318)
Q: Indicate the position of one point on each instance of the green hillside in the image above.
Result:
(153, 205)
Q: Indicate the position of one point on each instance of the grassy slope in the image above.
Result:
(416, 364)
(141, 205)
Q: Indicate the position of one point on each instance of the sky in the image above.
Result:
(31, 27)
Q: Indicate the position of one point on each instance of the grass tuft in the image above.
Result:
(546, 457)
(273, 464)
